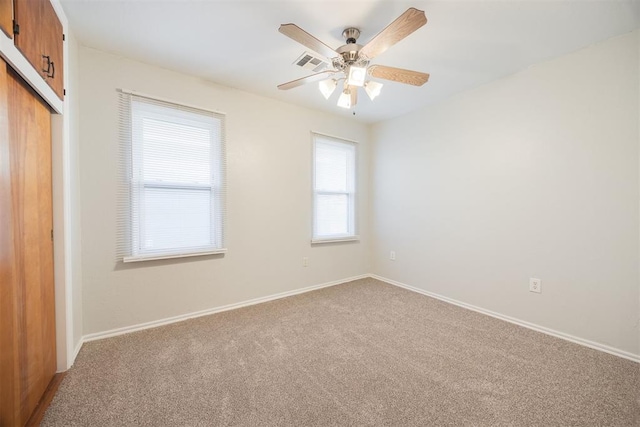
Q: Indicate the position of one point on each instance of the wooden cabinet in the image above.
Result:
(28, 14)
(52, 44)
(40, 39)
(6, 17)
(27, 318)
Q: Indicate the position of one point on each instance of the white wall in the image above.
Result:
(73, 99)
(269, 201)
(534, 175)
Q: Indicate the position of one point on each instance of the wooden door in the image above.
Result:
(6, 17)
(9, 375)
(27, 332)
(52, 39)
(28, 15)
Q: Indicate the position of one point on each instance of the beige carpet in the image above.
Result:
(362, 353)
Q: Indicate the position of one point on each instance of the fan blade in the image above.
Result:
(401, 75)
(405, 24)
(353, 91)
(309, 79)
(301, 36)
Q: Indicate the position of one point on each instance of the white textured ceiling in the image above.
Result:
(236, 43)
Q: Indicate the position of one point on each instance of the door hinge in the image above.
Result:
(52, 235)
(63, 38)
(64, 92)
(16, 27)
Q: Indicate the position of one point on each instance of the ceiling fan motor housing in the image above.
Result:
(349, 53)
(351, 35)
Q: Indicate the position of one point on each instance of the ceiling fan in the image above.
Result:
(350, 62)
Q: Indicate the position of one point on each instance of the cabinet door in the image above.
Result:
(52, 43)
(6, 17)
(28, 15)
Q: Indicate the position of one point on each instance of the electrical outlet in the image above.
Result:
(305, 261)
(535, 285)
(392, 255)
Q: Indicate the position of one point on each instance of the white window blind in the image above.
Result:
(334, 189)
(172, 182)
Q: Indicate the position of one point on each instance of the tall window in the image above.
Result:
(334, 189)
(174, 180)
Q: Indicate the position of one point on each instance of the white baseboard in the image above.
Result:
(72, 359)
(78, 348)
(182, 317)
(533, 326)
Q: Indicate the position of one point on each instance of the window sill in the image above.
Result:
(138, 258)
(335, 240)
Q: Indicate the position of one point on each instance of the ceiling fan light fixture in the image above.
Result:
(373, 89)
(352, 63)
(327, 87)
(345, 99)
(357, 76)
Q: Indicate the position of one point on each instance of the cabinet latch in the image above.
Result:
(16, 27)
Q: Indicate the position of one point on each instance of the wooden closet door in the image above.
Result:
(26, 252)
(9, 375)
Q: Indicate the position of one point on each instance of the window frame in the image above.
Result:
(352, 193)
(137, 184)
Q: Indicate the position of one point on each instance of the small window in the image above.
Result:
(174, 180)
(334, 189)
